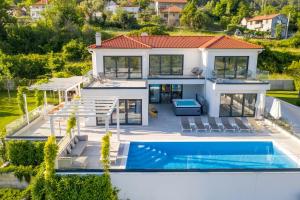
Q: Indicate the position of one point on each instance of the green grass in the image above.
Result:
(288, 96)
(9, 110)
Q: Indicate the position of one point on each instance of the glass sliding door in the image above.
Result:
(231, 67)
(123, 66)
(130, 112)
(237, 105)
(164, 93)
(165, 65)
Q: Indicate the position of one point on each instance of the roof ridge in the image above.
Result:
(212, 41)
(128, 37)
(243, 41)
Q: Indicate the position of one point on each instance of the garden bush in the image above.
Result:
(11, 194)
(25, 153)
(21, 172)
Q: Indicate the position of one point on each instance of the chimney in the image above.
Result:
(98, 39)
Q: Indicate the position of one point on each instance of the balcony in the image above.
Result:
(260, 77)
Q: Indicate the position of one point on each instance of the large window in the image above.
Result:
(130, 113)
(237, 105)
(231, 66)
(164, 93)
(166, 65)
(123, 66)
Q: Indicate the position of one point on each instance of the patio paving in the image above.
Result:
(166, 127)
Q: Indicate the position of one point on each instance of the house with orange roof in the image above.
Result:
(187, 75)
(169, 10)
(266, 23)
(37, 8)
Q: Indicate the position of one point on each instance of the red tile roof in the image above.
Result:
(171, 1)
(41, 2)
(148, 42)
(172, 9)
(262, 17)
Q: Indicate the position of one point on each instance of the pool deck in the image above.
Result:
(166, 127)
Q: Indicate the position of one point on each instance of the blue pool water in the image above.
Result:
(206, 155)
(186, 103)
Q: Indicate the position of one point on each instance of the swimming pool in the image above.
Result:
(207, 155)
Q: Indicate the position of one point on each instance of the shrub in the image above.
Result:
(39, 97)
(105, 151)
(11, 194)
(154, 30)
(71, 123)
(25, 152)
(85, 187)
(50, 151)
(21, 172)
(21, 102)
(74, 51)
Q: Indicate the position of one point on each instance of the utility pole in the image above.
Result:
(287, 26)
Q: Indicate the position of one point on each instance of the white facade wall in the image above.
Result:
(192, 58)
(190, 91)
(208, 185)
(214, 91)
(121, 94)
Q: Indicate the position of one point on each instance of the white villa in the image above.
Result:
(219, 72)
(266, 23)
(37, 8)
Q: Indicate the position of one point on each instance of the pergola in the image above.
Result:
(86, 107)
(60, 85)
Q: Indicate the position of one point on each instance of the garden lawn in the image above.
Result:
(9, 109)
(288, 96)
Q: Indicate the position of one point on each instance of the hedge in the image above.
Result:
(21, 172)
(73, 187)
(11, 194)
(20, 152)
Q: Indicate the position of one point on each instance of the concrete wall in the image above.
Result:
(282, 85)
(208, 185)
(190, 91)
(8, 180)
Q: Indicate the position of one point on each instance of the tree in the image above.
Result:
(201, 19)
(74, 51)
(124, 19)
(5, 19)
(188, 14)
(39, 97)
(91, 7)
(21, 102)
(269, 9)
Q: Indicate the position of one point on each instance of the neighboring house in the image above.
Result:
(111, 6)
(171, 15)
(17, 11)
(266, 23)
(134, 10)
(169, 10)
(37, 8)
(129, 7)
(143, 70)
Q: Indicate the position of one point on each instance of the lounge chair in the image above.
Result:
(213, 124)
(226, 124)
(254, 125)
(199, 124)
(185, 124)
(241, 126)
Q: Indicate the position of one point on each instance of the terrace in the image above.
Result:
(165, 127)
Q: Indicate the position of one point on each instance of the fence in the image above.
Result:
(21, 122)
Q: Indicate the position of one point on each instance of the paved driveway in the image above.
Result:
(289, 112)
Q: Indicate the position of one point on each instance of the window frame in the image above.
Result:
(128, 67)
(235, 66)
(243, 104)
(171, 67)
